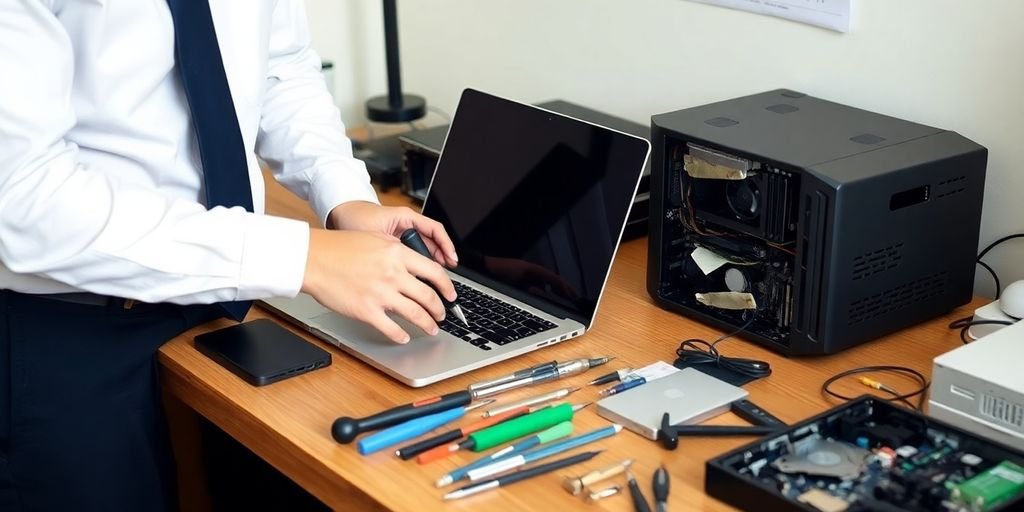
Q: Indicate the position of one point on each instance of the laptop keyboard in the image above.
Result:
(491, 320)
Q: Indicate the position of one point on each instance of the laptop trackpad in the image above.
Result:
(423, 354)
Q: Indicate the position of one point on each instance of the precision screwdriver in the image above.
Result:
(534, 400)
(411, 239)
(563, 429)
(611, 377)
(563, 370)
(505, 432)
(520, 475)
(412, 450)
(661, 485)
(346, 429)
(526, 372)
(539, 453)
(639, 502)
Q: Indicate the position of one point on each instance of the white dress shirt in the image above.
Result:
(100, 182)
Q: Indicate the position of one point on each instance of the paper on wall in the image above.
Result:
(831, 14)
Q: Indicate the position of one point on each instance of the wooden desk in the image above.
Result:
(288, 423)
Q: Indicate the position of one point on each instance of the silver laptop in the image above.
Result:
(536, 203)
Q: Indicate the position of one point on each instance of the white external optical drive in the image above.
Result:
(979, 387)
(689, 396)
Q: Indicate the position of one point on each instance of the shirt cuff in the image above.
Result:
(331, 186)
(273, 257)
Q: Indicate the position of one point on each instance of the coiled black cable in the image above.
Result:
(695, 351)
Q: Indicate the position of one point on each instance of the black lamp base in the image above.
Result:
(379, 109)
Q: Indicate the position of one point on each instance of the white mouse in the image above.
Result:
(1011, 301)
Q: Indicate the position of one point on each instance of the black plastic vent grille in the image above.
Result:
(895, 299)
(876, 262)
(950, 187)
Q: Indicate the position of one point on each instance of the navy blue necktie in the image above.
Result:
(225, 171)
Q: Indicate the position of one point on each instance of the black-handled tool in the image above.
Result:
(724, 430)
(669, 434)
(639, 502)
(754, 414)
(411, 239)
(412, 450)
(661, 484)
(346, 429)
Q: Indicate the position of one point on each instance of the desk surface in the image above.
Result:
(288, 423)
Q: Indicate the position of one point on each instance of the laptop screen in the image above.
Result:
(535, 201)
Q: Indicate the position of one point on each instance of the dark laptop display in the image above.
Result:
(534, 203)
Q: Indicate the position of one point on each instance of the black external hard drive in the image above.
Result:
(261, 352)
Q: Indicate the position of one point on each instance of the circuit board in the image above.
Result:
(871, 455)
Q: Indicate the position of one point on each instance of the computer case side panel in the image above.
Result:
(903, 238)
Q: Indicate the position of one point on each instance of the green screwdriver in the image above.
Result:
(507, 431)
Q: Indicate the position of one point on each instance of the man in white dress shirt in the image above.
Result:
(111, 240)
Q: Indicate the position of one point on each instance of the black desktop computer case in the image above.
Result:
(843, 225)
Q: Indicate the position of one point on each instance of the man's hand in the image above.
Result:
(366, 275)
(389, 220)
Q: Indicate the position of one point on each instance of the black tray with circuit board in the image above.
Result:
(869, 454)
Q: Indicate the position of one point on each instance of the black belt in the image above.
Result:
(88, 299)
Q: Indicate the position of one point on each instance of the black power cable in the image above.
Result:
(696, 351)
(965, 323)
(986, 250)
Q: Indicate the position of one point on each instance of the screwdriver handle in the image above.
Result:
(346, 429)
(411, 239)
(754, 414)
(412, 450)
(639, 502)
(723, 430)
(408, 430)
(415, 449)
(661, 483)
(521, 426)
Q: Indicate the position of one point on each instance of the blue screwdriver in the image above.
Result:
(413, 428)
